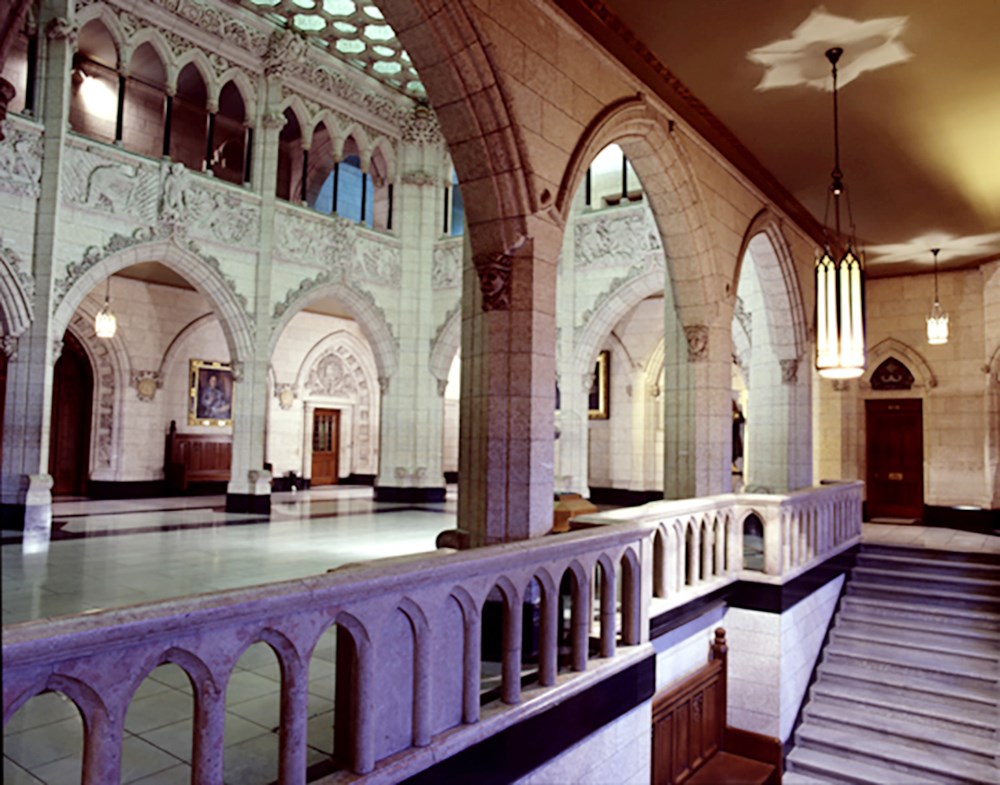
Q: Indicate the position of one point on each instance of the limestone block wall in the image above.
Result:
(20, 185)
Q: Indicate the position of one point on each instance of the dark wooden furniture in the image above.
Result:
(195, 458)
(692, 745)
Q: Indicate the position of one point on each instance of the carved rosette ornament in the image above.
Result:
(790, 371)
(697, 341)
(494, 272)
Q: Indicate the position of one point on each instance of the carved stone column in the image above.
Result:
(412, 411)
(25, 488)
(508, 362)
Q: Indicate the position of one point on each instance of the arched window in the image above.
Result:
(230, 137)
(352, 188)
(94, 101)
(289, 185)
(319, 191)
(189, 119)
(145, 97)
(610, 180)
(381, 211)
(454, 208)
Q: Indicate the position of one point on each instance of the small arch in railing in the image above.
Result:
(605, 595)
(706, 545)
(500, 644)
(690, 554)
(532, 617)
(164, 702)
(253, 694)
(354, 730)
(660, 588)
(46, 717)
(421, 672)
(574, 618)
(471, 657)
(631, 598)
(753, 542)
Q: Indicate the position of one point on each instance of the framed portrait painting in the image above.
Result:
(598, 406)
(210, 400)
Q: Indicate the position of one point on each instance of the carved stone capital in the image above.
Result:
(274, 121)
(421, 127)
(697, 341)
(61, 28)
(442, 385)
(383, 384)
(420, 177)
(494, 271)
(789, 371)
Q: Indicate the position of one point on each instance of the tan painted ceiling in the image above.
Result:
(920, 138)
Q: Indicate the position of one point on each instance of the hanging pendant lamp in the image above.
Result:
(937, 321)
(840, 278)
(106, 323)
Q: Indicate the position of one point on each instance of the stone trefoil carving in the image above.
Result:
(494, 272)
(697, 341)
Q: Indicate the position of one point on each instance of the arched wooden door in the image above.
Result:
(69, 437)
(325, 446)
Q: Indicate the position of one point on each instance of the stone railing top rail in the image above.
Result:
(67, 637)
(325, 219)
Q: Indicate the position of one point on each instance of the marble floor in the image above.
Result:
(105, 554)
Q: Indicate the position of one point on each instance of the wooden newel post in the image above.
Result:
(719, 645)
(719, 651)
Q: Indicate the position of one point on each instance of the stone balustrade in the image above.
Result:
(409, 635)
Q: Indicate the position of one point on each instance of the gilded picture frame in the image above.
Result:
(598, 406)
(210, 395)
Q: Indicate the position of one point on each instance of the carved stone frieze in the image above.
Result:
(60, 28)
(328, 377)
(421, 127)
(446, 272)
(697, 341)
(328, 81)
(421, 177)
(378, 262)
(285, 51)
(324, 240)
(494, 272)
(616, 239)
(21, 162)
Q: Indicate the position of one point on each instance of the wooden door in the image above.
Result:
(325, 446)
(895, 450)
(69, 439)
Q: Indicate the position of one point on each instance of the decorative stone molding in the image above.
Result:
(616, 239)
(383, 384)
(285, 393)
(328, 241)
(237, 369)
(446, 272)
(146, 384)
(60, 28)
(415, 474)
(57, 349)
(633, 272)
(697, 341)
(17, 267)
(21, 162)
(105, 385)
(286, 50)
(421, 127)
(329, 378)
(220, 24)
(274, 121)
(8, 344)
(494, 271)
(420, 177)
(789, 371)
(377, 262)
(744, 318)
(653, 389)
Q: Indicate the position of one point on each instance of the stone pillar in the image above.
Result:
(571, 473)
(508, 364)
(249, 487)
(25, 488)
(412, 408)
(697, 409)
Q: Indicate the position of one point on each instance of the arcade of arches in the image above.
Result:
(385, 290)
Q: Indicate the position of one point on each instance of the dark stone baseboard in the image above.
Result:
(390, 493)
(520, 749)
(248, 502)
(138, 489)
(450, 478)
(619, 497)
(13, 516)
(979, 520)
(358, 479)
(283, 484)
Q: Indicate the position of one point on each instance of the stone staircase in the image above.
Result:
(907, 689)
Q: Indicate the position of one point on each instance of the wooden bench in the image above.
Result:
(692, 745)
(194, 458)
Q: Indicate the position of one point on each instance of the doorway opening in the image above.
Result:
(895, 459)
(325, 446)
(69, 434)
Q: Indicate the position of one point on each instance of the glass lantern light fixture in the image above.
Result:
(840, 278)
(937, 320)
(106, 323)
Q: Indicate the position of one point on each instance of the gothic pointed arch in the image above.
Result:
(923, 376)
(445, 345)
(200, 271)
(16, 290)
(660, 160)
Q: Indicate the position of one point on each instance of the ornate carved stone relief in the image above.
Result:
(329, 377)
(420, 177)
(892, 375)
(20, 270)
(789, 371)
(377, 262)
(421, 127)
(697, 341)
(286, 50)
(494, 272)
(21, 162)
(446, 272)
(616, 239)
(285, 393)
(146, 384)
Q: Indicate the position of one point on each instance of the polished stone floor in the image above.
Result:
(106, 554)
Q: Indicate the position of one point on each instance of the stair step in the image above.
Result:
(833, 768)
(926, 580)
(900, 608)
(904, 758)
(891, 623)
(943, 599)
(908, 638)
(958, 746)
(983, 695)
(952, 665)
(943, 711)
(798, 778)
(968, 557)
(903, 564)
